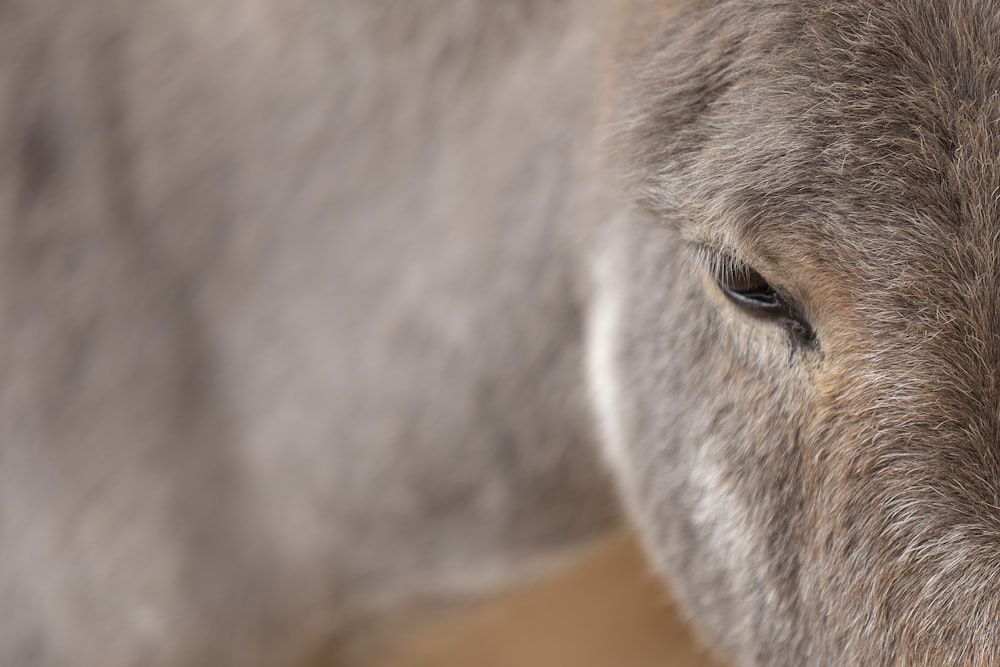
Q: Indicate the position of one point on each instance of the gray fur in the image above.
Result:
(316, 312)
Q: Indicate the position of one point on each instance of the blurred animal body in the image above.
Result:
(313, 312)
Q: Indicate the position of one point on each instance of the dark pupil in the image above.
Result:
(748, 288)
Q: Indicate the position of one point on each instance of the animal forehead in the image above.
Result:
(865, 126)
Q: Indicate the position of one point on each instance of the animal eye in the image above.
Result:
(752, 294)
(748, 290)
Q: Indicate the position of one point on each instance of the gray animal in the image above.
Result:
(318, 312)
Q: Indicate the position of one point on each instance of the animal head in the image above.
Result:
(795, 343)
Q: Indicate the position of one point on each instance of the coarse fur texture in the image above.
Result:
(840, 503)
(316, 312)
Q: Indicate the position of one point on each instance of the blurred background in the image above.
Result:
(607, 611)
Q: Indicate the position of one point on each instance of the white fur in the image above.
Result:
(603, 378)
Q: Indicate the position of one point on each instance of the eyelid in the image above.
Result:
(725, 268)
(717, 260)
